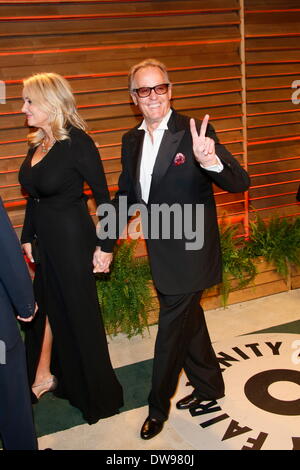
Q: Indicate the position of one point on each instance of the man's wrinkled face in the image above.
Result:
(153, 107)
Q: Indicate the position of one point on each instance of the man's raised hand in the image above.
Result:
(203, 147)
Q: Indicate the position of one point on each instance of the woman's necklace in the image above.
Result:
(46, 149)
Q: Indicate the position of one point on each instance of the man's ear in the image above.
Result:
(134, 98)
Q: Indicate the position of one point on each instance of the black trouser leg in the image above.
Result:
(201, 365)
(182, 341)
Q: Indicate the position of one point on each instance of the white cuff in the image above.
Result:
(218, 167)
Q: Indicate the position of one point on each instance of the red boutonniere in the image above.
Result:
(179, 159)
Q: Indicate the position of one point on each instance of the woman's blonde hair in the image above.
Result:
(53, 94)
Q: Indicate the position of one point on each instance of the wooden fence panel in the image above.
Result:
(93, 44)
(273, 119)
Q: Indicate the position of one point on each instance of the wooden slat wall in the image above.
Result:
(94, 43)
(272, 32)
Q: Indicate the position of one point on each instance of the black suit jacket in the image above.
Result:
(175, 269)
(16, 293)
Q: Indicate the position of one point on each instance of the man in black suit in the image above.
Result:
(16, 296)
(168, 162)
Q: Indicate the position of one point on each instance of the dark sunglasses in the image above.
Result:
(145, 91)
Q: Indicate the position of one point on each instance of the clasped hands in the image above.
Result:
(101, 261)
(203, 147)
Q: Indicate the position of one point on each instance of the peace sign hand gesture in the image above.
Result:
(203, 147)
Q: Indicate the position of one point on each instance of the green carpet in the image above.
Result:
(53, 414)
(292, 327)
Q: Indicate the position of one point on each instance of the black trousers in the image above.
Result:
(182, 342)
(16, 421)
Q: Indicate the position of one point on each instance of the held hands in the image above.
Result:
(101, 261)
(203, 147)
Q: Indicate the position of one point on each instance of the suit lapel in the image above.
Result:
(136, 148)
(165, 156)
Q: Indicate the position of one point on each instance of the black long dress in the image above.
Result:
(65, 289)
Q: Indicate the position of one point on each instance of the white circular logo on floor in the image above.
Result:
(261, 409)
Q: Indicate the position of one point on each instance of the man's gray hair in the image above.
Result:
(141, 65)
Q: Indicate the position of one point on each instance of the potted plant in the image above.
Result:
(237, 263)
(278, 241)
(124, 294)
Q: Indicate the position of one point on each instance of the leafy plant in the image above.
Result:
(124, 294)
(237, 263)
(277, 241)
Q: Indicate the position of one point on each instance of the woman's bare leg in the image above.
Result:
(43, 373)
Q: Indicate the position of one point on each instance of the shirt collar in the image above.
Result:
(163, 125)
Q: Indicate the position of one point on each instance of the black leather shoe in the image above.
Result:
(190, 401)
(151, 428)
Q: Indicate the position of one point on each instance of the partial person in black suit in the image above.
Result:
(171, 159)
(298, 194)
(16, 297)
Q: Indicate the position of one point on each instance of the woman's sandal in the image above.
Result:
(47, 386)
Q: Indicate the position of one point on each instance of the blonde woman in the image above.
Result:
(66, 343)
